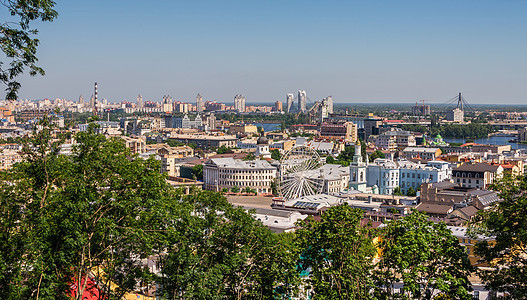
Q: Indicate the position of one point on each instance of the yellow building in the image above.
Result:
(243, 129)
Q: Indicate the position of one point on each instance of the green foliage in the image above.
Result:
(11, 140)
(103, 209)
(347, 154)
(226, 255)
(425, 256)
(275, 154)
(414, 128)
(330, 160)
(474, 129)
(376, 154)
(223, 150)
(197, 172)
(249, 156)
(397, 192)
(274, 187)
(506, 222)
(411, 192)
(224, 190)
(92, 210)
(174, 143)
(249, 190)
(363, 150)
(235, 189)
(18, 42)
(340, 252)
(455, 145)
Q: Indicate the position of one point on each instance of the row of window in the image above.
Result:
(245, 177)
(468, 175)
(231, 171)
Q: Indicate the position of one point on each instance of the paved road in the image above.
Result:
(251, 201)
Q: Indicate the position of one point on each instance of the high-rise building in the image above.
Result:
(329, 100)
(81, 99)
(239, 103)
(199, 103)
(289, 99)
(92, 101)
(421, 110)
(302, 98)
(167, 104)
(277, 106)
(140, 102)
(455, 115)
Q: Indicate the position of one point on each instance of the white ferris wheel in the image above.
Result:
(298, 176)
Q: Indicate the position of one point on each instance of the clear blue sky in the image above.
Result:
(356, 51)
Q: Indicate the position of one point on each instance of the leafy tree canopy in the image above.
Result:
(425, 256)
(507, 224)
(18, 42)
(340, 253)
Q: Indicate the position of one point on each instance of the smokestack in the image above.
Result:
(95, 101)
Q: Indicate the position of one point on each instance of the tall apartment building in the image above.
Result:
(213, 106)
(371, 127)
(239, 103)
(455, 115)
(522, 134)
(421, 110)
(329, 102)
(289, 99)
(302, 100)
(199, 103)
(167, 104)
(277, 106)
(140, 103)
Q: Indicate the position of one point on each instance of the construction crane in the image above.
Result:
(422, 109)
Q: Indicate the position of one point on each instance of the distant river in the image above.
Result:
(269, 126)
(494, 140)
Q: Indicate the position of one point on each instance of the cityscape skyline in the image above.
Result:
(356, 52)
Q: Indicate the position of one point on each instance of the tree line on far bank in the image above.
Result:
(102, 210)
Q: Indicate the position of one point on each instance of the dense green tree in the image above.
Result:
(223, 150)
(93, 211)
(397, 192)
(274, 188)
(363, 150)
(227, 255)
(339, 252)
(506, 222)
(411, 192)
(425, 257)
(347, 154)
(330, 160)
(101, 210)
(18, 41)
(376, 154)
(197, 172)
(249, 156)
(235, 189)
(275, 154)
(174, 143)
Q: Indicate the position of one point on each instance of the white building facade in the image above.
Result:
(220, 173)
